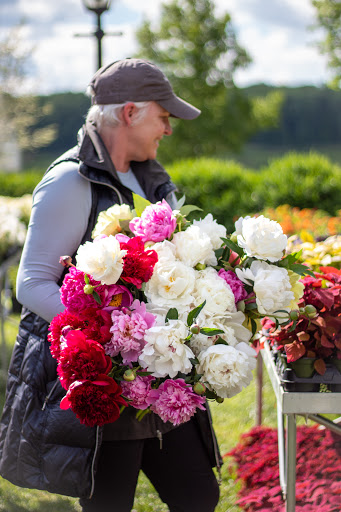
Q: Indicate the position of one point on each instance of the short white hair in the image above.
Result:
(110, 114)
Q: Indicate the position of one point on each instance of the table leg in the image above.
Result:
(291, 463)
(281, 451)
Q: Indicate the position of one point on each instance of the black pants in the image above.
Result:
(180, 472)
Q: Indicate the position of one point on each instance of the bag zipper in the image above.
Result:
(47, 398)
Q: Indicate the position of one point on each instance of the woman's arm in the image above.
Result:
(59, 218)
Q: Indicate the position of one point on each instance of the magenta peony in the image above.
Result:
(156, 223)
(236, 285)
(137, 391)
(75, 300)
(175, 401)
(128, 330)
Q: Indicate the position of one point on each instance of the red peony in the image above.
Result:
(59, 324)
(81, 359)
(97, 324)
(138, 264)
(94, 402)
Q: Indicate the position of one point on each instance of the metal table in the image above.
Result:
(290, 404)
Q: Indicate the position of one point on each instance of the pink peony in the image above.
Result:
(157, 222)
(73, 297)
(236, 285)
(128, 328)
(137, 391)
(175, 401)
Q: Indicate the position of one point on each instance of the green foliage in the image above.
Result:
(223, 188)
(227, 190)
(302, 180)
(329, 18)
(18, 184)
(19, 113)
(199, 52)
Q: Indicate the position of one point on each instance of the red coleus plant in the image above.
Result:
(309, 335)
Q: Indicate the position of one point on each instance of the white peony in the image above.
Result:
(194, 246)
(171, 284)
(271, 285)
(261, 238)
(230, 323)
(103, 259)
(226, 370)
(113, 220)
(217, 293)
(165, 353)
(165, 250)
(214, 230)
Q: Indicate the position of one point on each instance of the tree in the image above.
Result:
(19, 113)
(199, 52)
(329, 18)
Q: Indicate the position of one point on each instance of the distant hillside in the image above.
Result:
(310, 118)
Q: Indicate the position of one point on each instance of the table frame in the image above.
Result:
(289, 405)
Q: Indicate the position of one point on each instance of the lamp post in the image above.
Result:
(98, 7)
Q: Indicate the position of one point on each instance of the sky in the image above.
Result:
(276, 34)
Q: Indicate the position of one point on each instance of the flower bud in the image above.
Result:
(195, 329)
(88, 289)
(66, 261)
(233, 237)
(302, 311)
(200, 266)
(310, 311)
(199, 388)
(219, 400)
(294, 314)
(241, 306)
(129, 375)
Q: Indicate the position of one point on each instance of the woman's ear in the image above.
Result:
(128, 113)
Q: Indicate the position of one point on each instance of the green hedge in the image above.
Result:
(228, 190)
(18, 184)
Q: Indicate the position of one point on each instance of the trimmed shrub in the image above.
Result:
(303, 180)
(223, 188)
(18, 184)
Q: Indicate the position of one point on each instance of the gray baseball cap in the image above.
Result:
(138, 80)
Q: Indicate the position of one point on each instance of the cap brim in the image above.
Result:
(179, 108)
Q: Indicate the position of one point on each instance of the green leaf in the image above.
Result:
(172, 314)
(180, 202)
(234, 247)
(194, 361)
(253, 326)
(144, 374)
(220, 341)
(140, 203)
(192, 315)
(210, 332)
(97, 298)
(250, 305)
(189, 208)
(86, 279)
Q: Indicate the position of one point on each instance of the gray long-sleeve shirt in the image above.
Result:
(59, 218)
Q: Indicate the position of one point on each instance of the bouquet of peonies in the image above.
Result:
(160, 311)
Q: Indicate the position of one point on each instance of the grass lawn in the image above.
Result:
(231, 418)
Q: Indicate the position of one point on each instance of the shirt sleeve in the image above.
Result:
(59, 218)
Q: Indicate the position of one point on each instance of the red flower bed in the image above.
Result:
(318, 470)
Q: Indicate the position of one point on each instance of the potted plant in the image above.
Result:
(314, 332)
